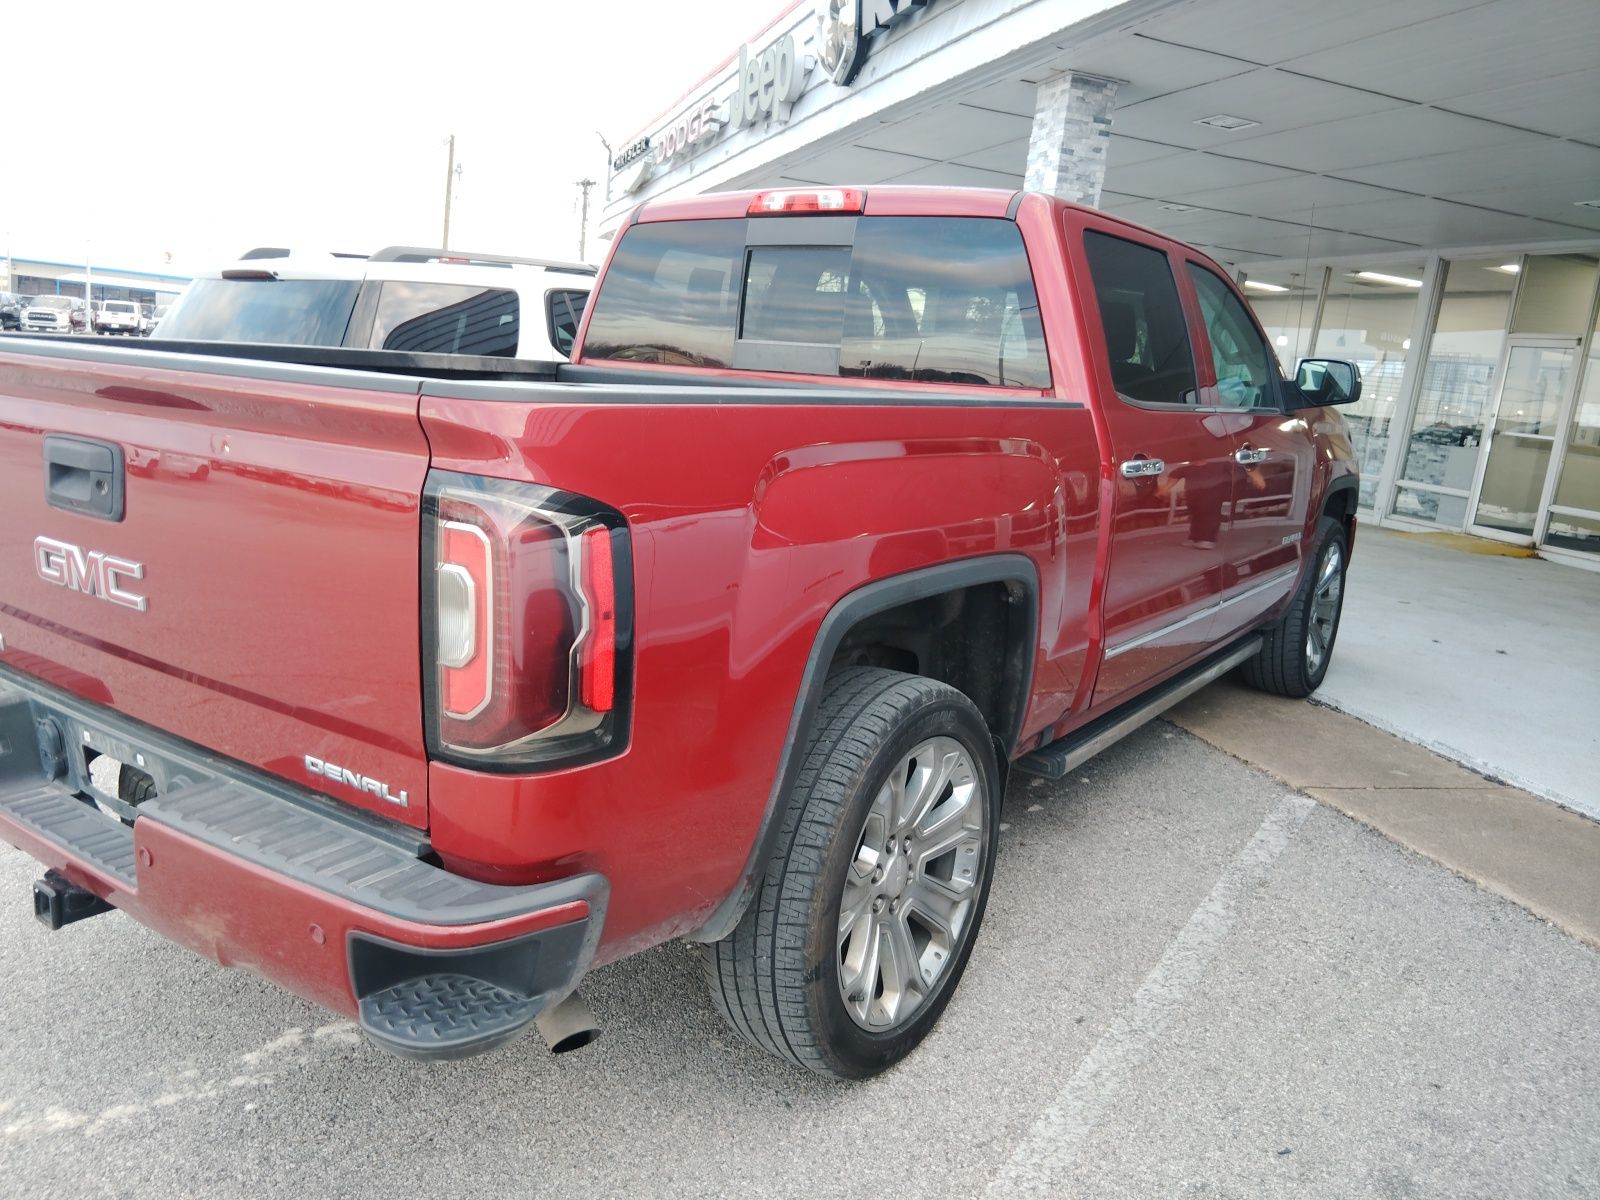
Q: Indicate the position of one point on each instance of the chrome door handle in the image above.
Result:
(1142, 468)
(1246, 457)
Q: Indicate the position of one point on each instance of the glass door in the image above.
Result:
(1534, 389)
(1574, 522)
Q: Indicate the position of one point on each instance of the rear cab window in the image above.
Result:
(942, 300)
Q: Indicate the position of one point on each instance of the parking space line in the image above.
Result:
(1045, 1154)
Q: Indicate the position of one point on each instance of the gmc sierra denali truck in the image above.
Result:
(422, 685)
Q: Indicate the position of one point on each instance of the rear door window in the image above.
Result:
(293, 312)
(1146, 337)
(446, 318)
(929, 299)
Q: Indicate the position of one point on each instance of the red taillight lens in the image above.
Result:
(827, 200)
(599, 671)
(527, 639)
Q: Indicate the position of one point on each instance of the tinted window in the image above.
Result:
(299, 312)
(1146, 339)
(446, 318)
(934, 299)
(795, 294)
(669, 295)
(566, 311)
(1241, 358)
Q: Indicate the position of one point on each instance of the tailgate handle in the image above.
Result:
(85, 476)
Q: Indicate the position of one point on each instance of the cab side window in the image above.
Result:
(1146, 336)
(1243, 363)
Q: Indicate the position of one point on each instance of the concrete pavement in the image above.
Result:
(1486, 659)
(1192, 981)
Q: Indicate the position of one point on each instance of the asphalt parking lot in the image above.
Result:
(1192, 981)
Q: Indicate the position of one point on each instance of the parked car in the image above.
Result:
(402, 298)
(149, 314)
(118, 316)
(53, 314)
(850, 504)
(11, 306)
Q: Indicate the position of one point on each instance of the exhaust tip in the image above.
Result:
(568, 1026)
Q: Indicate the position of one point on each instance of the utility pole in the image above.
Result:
(583, 228)
(449, 187)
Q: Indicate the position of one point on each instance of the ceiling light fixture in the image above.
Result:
(1397, 280)
(1509, 268)
(1224, 121)
(1170, 207)
(1264, 287)
(1586, 204)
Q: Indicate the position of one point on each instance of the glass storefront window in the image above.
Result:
(1285, 303)
(1367, 319)
(1458, 387)
(1575, 512)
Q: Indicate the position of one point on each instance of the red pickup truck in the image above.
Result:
(423, 685)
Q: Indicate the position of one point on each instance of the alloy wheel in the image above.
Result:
(911, 885)
(1327, 590)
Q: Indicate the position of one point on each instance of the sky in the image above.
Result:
(200, 130)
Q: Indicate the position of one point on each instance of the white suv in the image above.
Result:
(404, 298)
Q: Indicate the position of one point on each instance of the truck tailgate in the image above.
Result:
(259, 593)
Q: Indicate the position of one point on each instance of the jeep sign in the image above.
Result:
(768, 84)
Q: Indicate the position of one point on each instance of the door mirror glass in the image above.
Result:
(1323, 381)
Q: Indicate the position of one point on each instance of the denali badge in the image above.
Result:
(362, 783)
(92, 572)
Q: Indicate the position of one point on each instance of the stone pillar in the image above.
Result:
(1071, 131)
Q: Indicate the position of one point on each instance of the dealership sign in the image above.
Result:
(638, 150)
(766, 86)
(846, 29)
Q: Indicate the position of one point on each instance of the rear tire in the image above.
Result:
(1297, 648)
(863, 921)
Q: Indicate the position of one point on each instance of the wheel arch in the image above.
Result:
(855, 610)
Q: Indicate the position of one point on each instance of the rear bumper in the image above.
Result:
(339, 908)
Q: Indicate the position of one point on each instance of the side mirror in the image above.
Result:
(1323, 381)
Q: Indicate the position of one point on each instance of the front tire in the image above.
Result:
(863, 922)
(1296, 650)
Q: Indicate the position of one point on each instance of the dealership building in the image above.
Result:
(49, 277)
(1410, 184)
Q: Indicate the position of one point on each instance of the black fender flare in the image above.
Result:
(849, 611)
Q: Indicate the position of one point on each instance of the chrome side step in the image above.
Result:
(1060, 758)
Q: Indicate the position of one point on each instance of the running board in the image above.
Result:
(1060, 758)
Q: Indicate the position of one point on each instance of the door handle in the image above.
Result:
(1245, 456)
(1142, 468)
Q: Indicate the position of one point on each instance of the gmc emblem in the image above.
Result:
(92, 572)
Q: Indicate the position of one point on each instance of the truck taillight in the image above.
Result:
(527, 624)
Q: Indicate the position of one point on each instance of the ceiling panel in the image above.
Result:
(1290, 28)
(857, 164)
(1553, 203)
(1011, 157)
(1531, 157)
(948, 131)
(1180, 176)
(1294, 196)
(1322, 243)
(1382, 137)
(1277, 99)
(1015, 96)
(951, 175)
(1563, 105)
(1479, 49)
(1145, 66)
(1126, 151)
